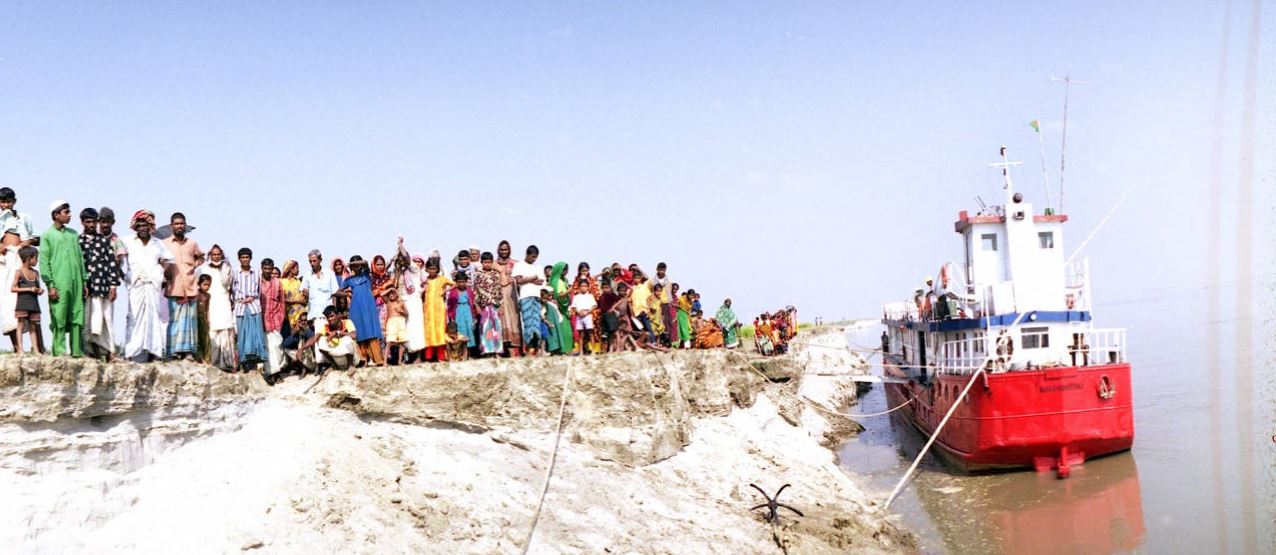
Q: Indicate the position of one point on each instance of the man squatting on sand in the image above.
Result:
(188, 304)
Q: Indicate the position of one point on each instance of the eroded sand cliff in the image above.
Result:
(656, 457)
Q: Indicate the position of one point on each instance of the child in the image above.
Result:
(335, 340)
(396, 325)
(298, 359)
(26, 283)
(582, 307)
(456, 349)
(203, 345)
(435, 305)
(462, 310)
(550, 318)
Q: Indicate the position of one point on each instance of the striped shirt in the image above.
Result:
(246, 285)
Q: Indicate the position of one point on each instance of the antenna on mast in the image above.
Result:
(1005, 165)
(1063, 149)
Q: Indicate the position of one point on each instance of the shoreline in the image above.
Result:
(657, 455)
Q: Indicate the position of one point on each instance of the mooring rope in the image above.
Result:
(553, 459)
(935, 435)
(812, 403)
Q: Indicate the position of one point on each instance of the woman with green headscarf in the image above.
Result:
(562, 297)
(726, 319)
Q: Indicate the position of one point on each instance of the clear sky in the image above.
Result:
(813, 154)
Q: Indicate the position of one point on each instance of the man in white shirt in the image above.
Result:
(16, 231)
(320, 286)
(529, 279)
(146, 261)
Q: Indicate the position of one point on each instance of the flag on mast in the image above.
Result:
(1036, 125)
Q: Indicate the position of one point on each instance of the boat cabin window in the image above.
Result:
(1046, 238)
(1036, 338)
(990, 241)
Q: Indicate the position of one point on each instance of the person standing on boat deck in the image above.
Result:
(62, 269)
(182, 289)
(102, 271)
(221, 312)
(1005, 350)
(16, 231)
(250, 333)
(145, 262)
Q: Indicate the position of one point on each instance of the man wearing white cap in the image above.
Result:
(62, 269)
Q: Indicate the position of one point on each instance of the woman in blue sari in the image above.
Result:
(363, 312)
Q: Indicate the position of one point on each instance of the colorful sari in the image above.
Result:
(294, 300)
(487, 291)
(462, 309)
(379, 281)
(436, 311)
(558, 335)
(684, 320)
(563, 299)
(509, 309)
(363, 308)
(726, 318)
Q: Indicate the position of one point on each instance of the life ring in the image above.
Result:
(1072, 301)
(1106, 389)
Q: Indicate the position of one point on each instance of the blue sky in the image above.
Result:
(811, 154)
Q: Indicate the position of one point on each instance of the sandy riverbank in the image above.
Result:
(656, 456)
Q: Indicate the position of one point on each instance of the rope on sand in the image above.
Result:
(553, 459)
(817, 405)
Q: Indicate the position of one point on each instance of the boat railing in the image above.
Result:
(1077, 287)
(1098, 346)
(1089, 347)
(900, 312)
(962, 356)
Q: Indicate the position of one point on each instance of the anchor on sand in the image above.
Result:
(773, 505)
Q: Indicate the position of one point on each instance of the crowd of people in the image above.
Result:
(188, 304)
(773, 331)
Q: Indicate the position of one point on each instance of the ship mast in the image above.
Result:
(1008, 185)
(1063, 148)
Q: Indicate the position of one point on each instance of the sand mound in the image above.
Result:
(657, 456)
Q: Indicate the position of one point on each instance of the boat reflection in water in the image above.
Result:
(1098, 509)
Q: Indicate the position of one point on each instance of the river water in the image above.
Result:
(1201, 477)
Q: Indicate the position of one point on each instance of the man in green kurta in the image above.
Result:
(62, 269)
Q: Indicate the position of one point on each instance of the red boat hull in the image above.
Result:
(1043, 419)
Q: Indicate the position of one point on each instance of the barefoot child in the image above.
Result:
(203, 345)
(456, 343)
(396, 325)
(26, 283)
